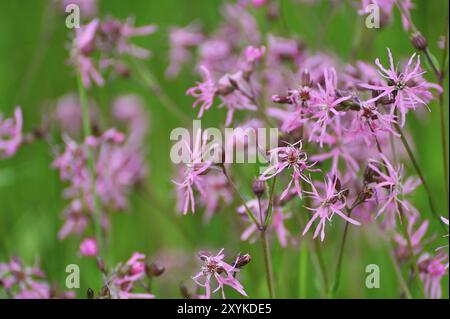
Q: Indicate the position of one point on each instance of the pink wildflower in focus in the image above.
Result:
(403, 88)
(276, 225)
(23, 282)
(324, 105)
(88, 247)
(215, 268)
(195, 166)
(204, 92)
(416, 237)
(289, 157)
(11, 133)
(332, 201)
(432, 270)
(392, 185)
(126, 278)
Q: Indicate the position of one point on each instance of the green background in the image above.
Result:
(33, 71)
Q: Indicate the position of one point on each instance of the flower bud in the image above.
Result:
(90, 293)
(259, 187)
(154, 270)
(242, 260)
(419, 41)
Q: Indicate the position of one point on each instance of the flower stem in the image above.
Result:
(271, 204)
(247, 210)
(418, 170)
(337, 278)
(150, 80)
(91, 163)
(266, 252)
(318, 252)
(414, 264)
(398, 271)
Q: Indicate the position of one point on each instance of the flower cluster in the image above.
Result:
(109, 39)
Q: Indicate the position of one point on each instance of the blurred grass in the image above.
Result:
(33, 71)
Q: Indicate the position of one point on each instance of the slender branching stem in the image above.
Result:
(266, 252)
(91, 164)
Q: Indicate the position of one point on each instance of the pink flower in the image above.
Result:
(276, 225)
(215, 268)
(23, 282)
(127, 277)
(181, 40)
(11, 133)
(432, 270)
(111, 40)
(333, 201)
(195, 166)
(88, 247)
(130, 110)
(415, 236)
(403, 88)
(254, 54)
(204, 92)
(392, 185)
(323, 106)
(289, 157)
(369, 123)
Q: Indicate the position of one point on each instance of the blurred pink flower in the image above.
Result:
(215, 268)
(23, 282)
(181, 40)
(276, 225)
(195, 166)
(432, 270)
(416, 237)
(88, 247)
(392, 185)
(203, 92)
(127, 276)
(11, 133)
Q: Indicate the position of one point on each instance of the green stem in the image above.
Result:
(271, 203)
(91, 163)
(414, 264)
(266, 252)
(150, 80)
(318, 252)
(244, 203)
(418, 170)
(398, 271)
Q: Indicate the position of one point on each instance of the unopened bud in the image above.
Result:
(243, 260)
(185, 293)
(306, 78)
(259, 187)
(419, 41)
(154, 270)
(90, 293)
